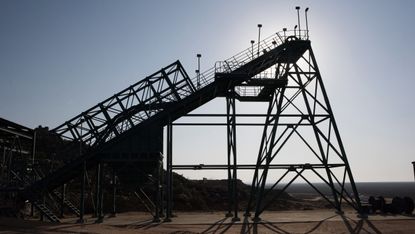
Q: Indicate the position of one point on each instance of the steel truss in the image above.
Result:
(88, 133)
(129, 107)
(299, 106)
(17, 149)
(284, 74)
(305, 99)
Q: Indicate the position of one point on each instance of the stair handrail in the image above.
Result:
(80, 123)
(245, 56)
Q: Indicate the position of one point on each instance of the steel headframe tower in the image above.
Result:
(301, 110)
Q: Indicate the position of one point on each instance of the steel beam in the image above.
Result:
(82, 199)
(114, 191)
(232, 157)
(336, 131)
(100, 192)
(157, 191)
(62, 201)
(169, 173)
(303, 98)
(265, 152)
(254, 166)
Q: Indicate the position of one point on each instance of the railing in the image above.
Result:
(128, 108)
(117, 114)
(248, 91)
(247, 55)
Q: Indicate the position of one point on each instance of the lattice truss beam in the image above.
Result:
(300, 118)
(129, 107)
(149, 96)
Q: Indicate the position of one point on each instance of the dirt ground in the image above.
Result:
(310, 221)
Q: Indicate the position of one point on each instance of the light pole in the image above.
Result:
(259, 37)
(306, 21)
(298, 16)
(198, 70)
(252, 48)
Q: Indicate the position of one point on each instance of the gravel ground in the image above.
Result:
(310, 221)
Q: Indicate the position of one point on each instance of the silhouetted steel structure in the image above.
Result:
(125, 132)
(17, 145)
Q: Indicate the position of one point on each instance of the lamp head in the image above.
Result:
(199, 55)
(297, 8)
(252, 41)
(306, 9)
(295, 27)
(259, 25)
(284, 29)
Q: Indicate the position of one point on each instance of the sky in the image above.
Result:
(58, 58)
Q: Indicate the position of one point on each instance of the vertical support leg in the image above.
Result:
(33, 155)
(267, 147)
(31, 209)
(44, 203)
(317, 136)
(337, 133)
(230, 190)
(97, 187)
(232, 158)
(265, 154)
(157, 193)
(169, 173)
(162, 189)
(114, 191)
(62, 200)
(4, 157)
(99, 193)
(229, 141)
(82, 202)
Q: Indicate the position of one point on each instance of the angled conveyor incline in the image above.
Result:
(181, 101)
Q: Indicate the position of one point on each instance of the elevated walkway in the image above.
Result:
(159, 99)
(126, 130)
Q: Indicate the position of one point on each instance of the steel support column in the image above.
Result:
(323, 154)
(97, 188)
(265, 154)
(232, 157)
(82, 202)
(100, 196)
(114, 191)
(33, 155)
(305, 99)
(157, 195)
(169, 173)
(336, 131)
(44, 204)
(62, 201)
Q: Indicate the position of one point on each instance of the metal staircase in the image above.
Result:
(67, 203)
(44, 210)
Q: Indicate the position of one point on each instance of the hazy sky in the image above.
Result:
(58, 58)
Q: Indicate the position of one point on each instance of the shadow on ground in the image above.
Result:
(264, 226)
